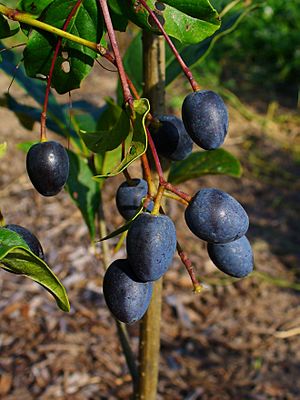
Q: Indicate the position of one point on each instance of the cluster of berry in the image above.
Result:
(212, 215)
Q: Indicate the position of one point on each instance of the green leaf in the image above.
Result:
(5, 30)
(194, 54)
(136, 142)
(83, 190)
(119, 20)
(25, 146)
(108, 140)
(36, 89)
(188, 21)
(214, 162)
(3, 148)
(34, 7)
(16, 257)
(74, 61)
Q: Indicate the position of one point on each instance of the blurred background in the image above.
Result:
(237, 339)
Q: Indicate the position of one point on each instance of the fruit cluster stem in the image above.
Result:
(173, 189)
(158, 200)
(182, 64)
(190, 269)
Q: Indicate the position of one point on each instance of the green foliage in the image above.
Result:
(190, 21)
(35, 7)
(136, 142)
(83, 190)
(110, 139)
(265, 51)
(214, 162)
(74, 61)
(5, 29)
(16, 257)
(195, 54)
(192, 54)
(119, 19)
(104, 141)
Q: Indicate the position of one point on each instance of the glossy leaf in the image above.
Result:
(74, 61)
(16, 257)
(188, 21)
(33, 88)
(5, 29)
(119, 19)
(214, 162)
(25, 146)
(3, 148)
(194, 54)
(136, 142)
(83, 190)
(34, 7)
(107, 140)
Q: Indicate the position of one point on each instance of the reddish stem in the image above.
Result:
(173, 189)
(190, 269)
(155, 156)
(112, 37)
(183, 65)
(145, 162)
(56, 51)
(132, 88)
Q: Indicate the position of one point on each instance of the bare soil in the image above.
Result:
(237, 340)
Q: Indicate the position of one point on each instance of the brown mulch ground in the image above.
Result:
(236, 340)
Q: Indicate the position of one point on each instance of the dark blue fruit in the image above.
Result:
(216, 217)
(234, 258)
(151, 243)
(31, 240)
(48, 167)
(205, 118)
(129, 197)
(170, 138)
(125, 296)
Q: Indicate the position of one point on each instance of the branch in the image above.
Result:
(28, 19)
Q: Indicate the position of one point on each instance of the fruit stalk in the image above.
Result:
(158, 200)
(51, 70)
(190, 269)
(128, 99)
(182, 64)
(150, 326)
